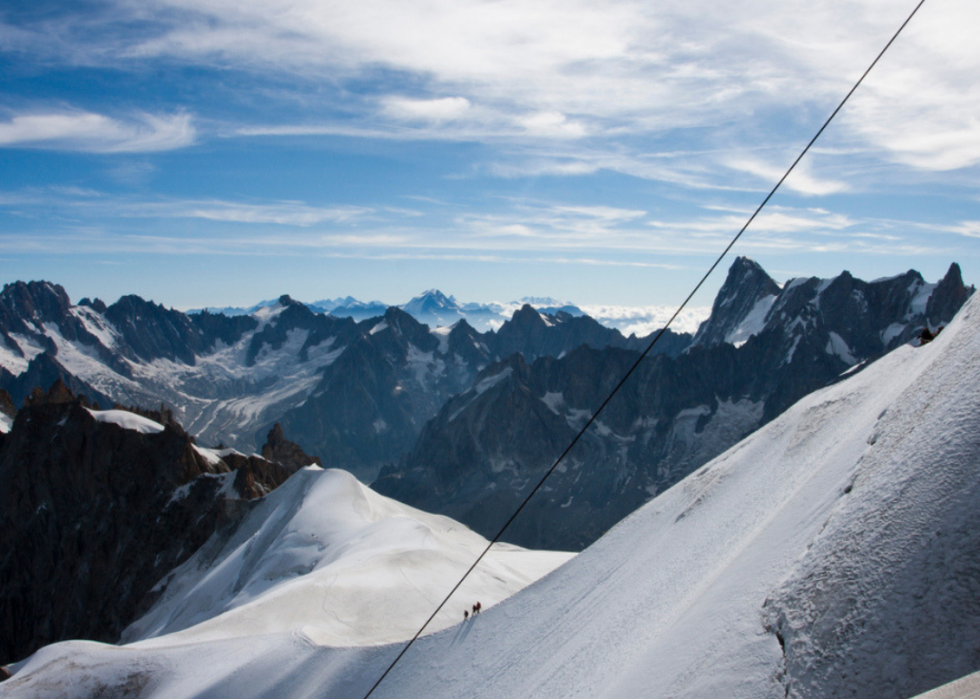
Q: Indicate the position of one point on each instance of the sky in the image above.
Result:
(221, 152)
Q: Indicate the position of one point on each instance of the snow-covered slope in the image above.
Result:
(832, 553)
(326, 556)
(964, 688)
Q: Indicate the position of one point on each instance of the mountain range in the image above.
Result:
(459, 422)
(358, 393)
(435, 309)
(831, 553)
(763, 348)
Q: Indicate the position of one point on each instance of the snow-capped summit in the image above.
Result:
(434, 309)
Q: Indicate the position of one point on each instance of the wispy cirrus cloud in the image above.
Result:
(279, 213)
(801, 180)
(97, 133)
(582, 68)
(437, 110)
(574, 70)
(517, 231)
(283, 213)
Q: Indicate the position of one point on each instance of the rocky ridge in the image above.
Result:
(758, 354)
(97, 506)
(356, 392)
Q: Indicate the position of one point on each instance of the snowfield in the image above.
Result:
(328, 557)
(833, 553)
(127, 420)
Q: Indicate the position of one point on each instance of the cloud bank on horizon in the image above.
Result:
(600, 151)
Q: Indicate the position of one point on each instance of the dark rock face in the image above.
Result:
(92, 515)
(151, 331)
(288, 454)
(373, 400)
(7, 406)
(746, 286)
(489, 445)
(949, 295)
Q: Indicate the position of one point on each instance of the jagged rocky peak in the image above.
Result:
(401, 321)
(286, 453)
(154, 332)
(97, 304)
(743, 300)
(398, 329)
(856, 317)
(527, 315)
(58, 394)
(286, 300)
(948, 296)
(36, 301)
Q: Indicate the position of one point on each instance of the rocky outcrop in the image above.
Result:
(288, 454)
(948, 296)
(96, 508)
(296, 317)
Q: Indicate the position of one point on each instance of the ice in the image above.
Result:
(554, 401)
(891, 332)
(127, 420)
(753, 323)
(442, 334)
(491, 381)
(14, 362)
(837, 346)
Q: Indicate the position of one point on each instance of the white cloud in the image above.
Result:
(97, 133)
(800, 180)
(551, 124)
(968, 229)
(565, 70)
(280, 213)
(284, 213)
(438, 110)
(542, 167)
(773, 219)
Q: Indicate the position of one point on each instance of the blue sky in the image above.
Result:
(219, 152)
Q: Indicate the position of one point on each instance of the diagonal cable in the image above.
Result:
(647, 351)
